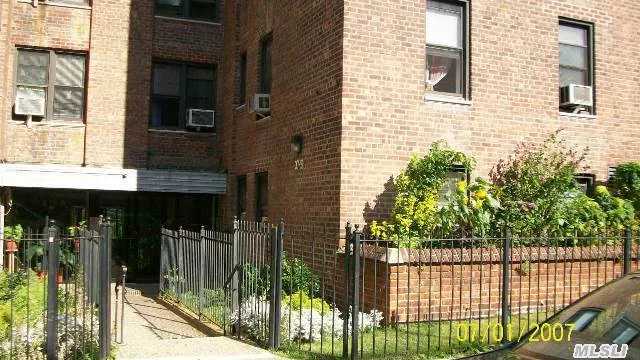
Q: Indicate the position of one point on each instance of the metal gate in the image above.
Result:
(57, 295)
(223, 277)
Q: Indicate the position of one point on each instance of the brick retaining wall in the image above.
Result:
(419, 285)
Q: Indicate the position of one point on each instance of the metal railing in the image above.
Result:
(56, 295)
(210, 272)
(298, 291)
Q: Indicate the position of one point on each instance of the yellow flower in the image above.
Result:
(481, 194)
(465, 199)
(462, 186)
(478, 203)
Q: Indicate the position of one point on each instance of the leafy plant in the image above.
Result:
(301, 300)
(298, 277)
(626, 183)
(171, 281)
(417, 191)
(14, 232)
(533, 183)
(619, 212)
(255, 280)
(581, 216)
(470, 209)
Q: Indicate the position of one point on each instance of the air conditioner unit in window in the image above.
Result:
(260, 103)
(30, 102)
(576, 95)
(200, 118)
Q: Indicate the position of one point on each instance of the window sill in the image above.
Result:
(445, 99)
(52, 3)
(579, 116)
(240, 107)
(263, 120)
(181, 132)
(183, 19)
(49, 124)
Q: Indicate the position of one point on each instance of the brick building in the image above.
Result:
(367, 83)
(96, 99)
(355, 88)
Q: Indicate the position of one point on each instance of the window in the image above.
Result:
(56, 77)
(242, 197)
(624, 332)
(575, 54)
(206, 10)
(262, 195)
(242, 93)
(447, 44)
(178, 88)
(453, 178)
(265, 65)
(585, 183)
(583, 318)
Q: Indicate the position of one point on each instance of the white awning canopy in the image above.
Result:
(91, 178)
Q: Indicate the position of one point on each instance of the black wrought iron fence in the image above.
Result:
(293, 288)
(221, 276)
(54, 295)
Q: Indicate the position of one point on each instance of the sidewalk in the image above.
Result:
(152, 331)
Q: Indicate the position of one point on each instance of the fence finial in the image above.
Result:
(357, 228)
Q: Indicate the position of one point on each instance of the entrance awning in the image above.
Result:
(91, 178)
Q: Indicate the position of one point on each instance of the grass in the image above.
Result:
(435, 340)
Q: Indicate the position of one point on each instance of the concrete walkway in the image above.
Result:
(153, 331)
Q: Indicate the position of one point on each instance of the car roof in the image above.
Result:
(616, 300)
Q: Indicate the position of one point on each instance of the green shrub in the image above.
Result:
(298, 277)
(470, 208)
(301, 299)
(579, 215)
(619, 212)
(533, 183)
(416, 195)
(16, 297)
(626, 183)
(255, 280)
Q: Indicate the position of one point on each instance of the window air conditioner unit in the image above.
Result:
(200, 118)
(30, 102)
(261, 103)
(576, 95)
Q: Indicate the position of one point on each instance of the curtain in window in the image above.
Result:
(68, 96)
(437, 69)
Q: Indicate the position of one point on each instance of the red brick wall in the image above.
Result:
(446, 289)
(306, 98)
(121, 38)
(514, 88)
(42, 27)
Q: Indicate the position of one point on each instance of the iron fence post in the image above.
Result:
(627, 251)
(506, 260)
(346, 281)
(235, 291)
(355, 304)
(124, 293)
(278, 271)
(52, 291)
(180, 275)
(273, 291)
(104, 305)
(162, 261)
(201, 272)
